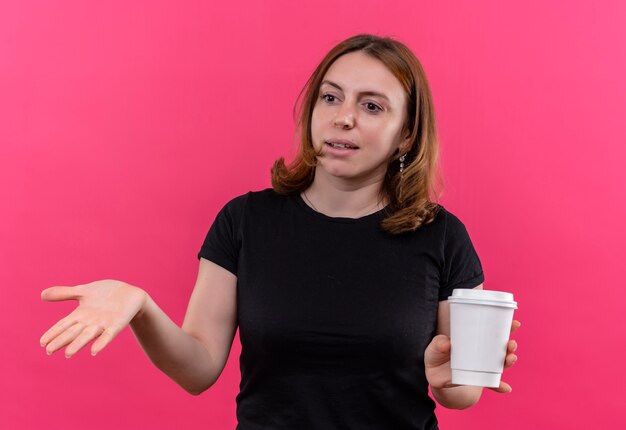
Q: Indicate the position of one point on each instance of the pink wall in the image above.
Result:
(124, 126)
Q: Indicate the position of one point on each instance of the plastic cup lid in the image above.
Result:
(488, 297)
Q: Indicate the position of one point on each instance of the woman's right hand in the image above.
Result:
(104, 309)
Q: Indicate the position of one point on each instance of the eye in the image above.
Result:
(373, 107)
(328, 98)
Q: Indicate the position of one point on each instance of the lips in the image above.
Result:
(341, 144)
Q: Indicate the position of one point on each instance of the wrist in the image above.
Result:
(144, 309)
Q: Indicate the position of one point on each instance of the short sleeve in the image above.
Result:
(462, 268)
(223, 241)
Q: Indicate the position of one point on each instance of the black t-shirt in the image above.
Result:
(334, 313)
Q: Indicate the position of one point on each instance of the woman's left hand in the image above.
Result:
(437, 361)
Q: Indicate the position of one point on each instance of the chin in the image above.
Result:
(346, 174)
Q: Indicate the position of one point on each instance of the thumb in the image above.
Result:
(56, 294)
(437, 352)
(442, 343)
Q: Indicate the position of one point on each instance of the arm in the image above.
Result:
(193, 356)
(437, 363)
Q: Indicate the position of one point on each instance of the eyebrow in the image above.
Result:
(365, 93)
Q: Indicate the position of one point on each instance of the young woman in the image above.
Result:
(337, 278)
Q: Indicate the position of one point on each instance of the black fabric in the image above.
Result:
(334, 313)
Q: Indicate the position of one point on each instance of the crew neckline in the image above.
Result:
(374, 216)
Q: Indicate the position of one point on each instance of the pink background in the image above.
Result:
(126, 125)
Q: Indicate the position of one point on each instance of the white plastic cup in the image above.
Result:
(480, 325)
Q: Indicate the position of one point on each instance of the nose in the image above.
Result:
(344, 118)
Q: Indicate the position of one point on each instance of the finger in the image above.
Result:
(64, 338)
(105, 338)
(515, 325)
(510, 360)
(511, 346)
(503, 388)
(450, 385)
(57, 329)
(88, 334)
(56, 294)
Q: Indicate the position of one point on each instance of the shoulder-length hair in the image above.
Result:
(411, 195)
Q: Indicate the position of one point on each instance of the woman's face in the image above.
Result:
(358, 119)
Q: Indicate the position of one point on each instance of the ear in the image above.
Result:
(405, 145)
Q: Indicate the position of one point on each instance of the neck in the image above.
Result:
(335, 197)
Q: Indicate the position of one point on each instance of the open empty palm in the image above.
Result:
(104, 309)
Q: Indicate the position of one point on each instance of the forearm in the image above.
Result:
(178, 354)
(461, 397)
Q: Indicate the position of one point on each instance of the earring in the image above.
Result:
(402, 163)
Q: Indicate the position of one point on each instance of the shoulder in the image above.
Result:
(252, 197)
(449, 224)
(254, 203)
(266, 196)
(450, 220)
(442, 219)
(457, 240)
(263, 199)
